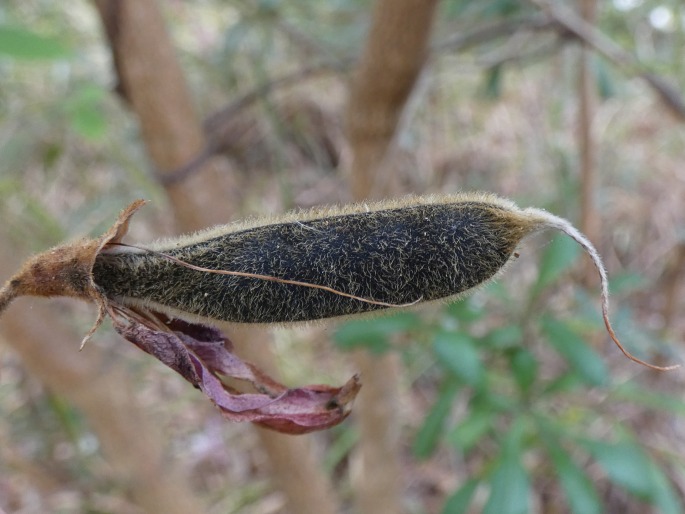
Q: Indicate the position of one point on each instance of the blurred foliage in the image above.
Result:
(513, 392)
(525, 408)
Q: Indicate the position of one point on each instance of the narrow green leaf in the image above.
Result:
(433, 425)
(85, 111)
(604, 78)
(20, 43)
(631, 392)
(509, 484)
(524, 366)
(475, 426)
(465, 311)
(504, 337)
(458, 355)
(582, 359)
(361, 334)
(664, 496)
(459, 502)
(509, 489)
(493, 82)
(558, 257)
(581, 495)
(625, 464)
(372, 334)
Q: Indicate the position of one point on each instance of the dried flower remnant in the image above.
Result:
(303, 266)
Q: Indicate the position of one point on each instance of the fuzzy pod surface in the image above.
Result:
(392, 253)
(302, 266)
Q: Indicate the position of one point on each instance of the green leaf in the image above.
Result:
(629, 466)
(558, 257)
(582, 359)
(433, 425)
(605, 80)
(20, 43)
(504, 337)
(474, 427)
(85, 112)
(458, 355)
(509, 484)
(459, 502)
(524, 366)
(493, 82)
(465, 311)
(581, 495)
(630, 392)
(663, 495)
(372, 334)
(340, 447)
(626, 465)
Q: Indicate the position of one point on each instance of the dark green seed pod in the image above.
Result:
(303, 266)
(393, 254)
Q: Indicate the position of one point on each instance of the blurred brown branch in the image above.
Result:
(392, 60)
(156, 88)
(589, 35)
(101, 389)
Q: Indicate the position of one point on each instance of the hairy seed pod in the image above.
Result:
(305, 265)
(393, 253)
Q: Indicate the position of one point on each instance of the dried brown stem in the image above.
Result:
(551, 221)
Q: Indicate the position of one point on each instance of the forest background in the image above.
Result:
(511, 401)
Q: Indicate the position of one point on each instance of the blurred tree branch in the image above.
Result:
(101, 389)
(564, 22)
(156, 88)
(392, 61)
(592, 37)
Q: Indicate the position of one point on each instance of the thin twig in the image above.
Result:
(553, 16)
(603, 45)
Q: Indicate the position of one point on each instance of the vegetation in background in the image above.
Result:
(514, 398)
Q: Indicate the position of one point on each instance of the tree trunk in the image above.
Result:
(392, 61)
(587, 97)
